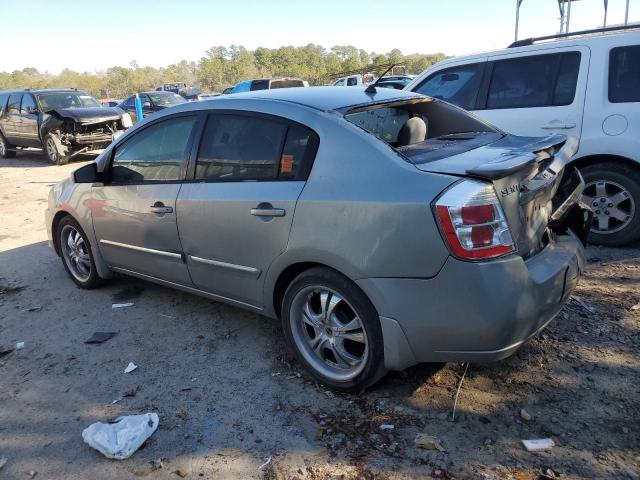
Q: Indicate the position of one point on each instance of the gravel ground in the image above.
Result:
(230, 398)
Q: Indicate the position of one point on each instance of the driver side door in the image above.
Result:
(134, 213)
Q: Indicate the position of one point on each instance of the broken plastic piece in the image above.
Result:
(100, 337)
(122, 305)
(130, 368)
(19, 345)
(120, 439)
(428, 442)
(537, 444)
(386, 426)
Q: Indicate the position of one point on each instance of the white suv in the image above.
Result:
(586, 84)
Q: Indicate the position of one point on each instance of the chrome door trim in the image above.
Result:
(142, 249)
(186, 288)
(231, 266)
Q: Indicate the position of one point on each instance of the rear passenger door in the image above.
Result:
(29, 121)
(235, 215)
(11, 121)
(536, 94)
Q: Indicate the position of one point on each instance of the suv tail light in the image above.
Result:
(472, 221)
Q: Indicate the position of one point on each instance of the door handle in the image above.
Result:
(160, 208)
(558, 126)
(267, 212)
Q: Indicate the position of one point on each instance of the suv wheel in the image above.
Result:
(76, 254)
(4, 149)
(53, 152)
(612, 190)
(334, 330)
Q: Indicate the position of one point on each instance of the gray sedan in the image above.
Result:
(384, 228)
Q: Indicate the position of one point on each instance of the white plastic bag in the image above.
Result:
(123, 437)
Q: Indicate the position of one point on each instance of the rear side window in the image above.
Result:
(534, 81)
(457, 85)
(3, 102)
(156, 153)
(14, 103)
(260, 85)
(243, 148)
(352, 81)
(624, 74)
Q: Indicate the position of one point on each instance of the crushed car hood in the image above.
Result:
(88, 116)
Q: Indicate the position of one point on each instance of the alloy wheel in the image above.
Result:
(329, 333)
(613, 207)
(75, 253)
(52, 151)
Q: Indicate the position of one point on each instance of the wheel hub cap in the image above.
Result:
(328, 333)
(613, 207)
(75, 253)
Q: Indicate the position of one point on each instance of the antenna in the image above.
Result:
(372, 88)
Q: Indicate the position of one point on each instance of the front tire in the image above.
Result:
(76, 254)
(333, 330)
(612, 190)
(51, 147)
(4, 148)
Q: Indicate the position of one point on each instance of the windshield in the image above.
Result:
(166, 99)
(51, 101)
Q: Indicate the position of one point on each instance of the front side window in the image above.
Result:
(624, 74)
(534, 81)
(14, 104)
(457, 85)
(156, 153)
(28, 104)
(238, 148)
(352, 81)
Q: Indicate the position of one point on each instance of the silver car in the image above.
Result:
(384, 228)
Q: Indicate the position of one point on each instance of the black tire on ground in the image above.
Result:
(53, 152)
(93, 279)
(374, 368)
(4, 149)
(629, 179)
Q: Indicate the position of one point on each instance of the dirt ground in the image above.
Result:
(233, 404)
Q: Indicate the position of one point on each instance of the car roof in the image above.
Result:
(327, 98)
(42, 90)
(587, 39)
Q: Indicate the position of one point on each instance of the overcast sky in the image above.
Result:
(95, 34)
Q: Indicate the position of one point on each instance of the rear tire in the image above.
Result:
(334, 330)
(76, 254)
(612, 190)
(4, 149)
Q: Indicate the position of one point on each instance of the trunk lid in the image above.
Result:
(526, 173)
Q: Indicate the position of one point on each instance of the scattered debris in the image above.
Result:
(267, 462)
(168, 316)
(181, 472)
(526, 415)
(131, 392)
(183, 415)
(584, 305)
(100, 337)
(635, 307)
(386, 426)
(428, 442)
(117, 400)
(19, 345)
(130, 368)
(3, 461)
(8, 289)
(537, 444)
(120, 439)
(33, 309)
(275, 374)
(5, 349)
(32, 473)
(122, 305)
(455, 402)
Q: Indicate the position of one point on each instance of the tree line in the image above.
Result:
(222, 67)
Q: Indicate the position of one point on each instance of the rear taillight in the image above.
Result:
(472, 221)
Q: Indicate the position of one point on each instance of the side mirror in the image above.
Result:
(146, 105)
(86, 174)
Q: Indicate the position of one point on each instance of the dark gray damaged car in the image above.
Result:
(383, 229)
